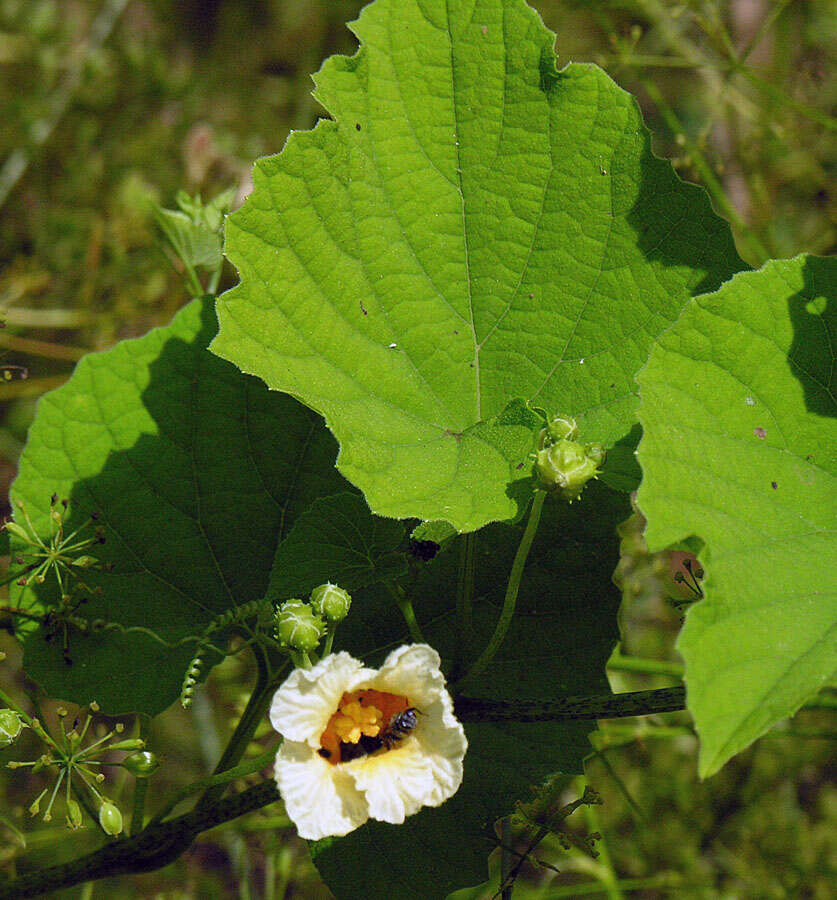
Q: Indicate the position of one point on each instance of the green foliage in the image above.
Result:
(193, 471)
(561, 637)
(739, 414)
(336, 539)
(472, 227)
(195, 230)
(474, 234)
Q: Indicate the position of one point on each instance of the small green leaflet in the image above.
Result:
(471, 227)
(740, 449)
(195, 471)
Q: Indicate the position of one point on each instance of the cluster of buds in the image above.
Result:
(562, 464)
(65, 555)
(78, 765)
(300, 625)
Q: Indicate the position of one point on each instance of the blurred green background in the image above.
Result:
(108, 106)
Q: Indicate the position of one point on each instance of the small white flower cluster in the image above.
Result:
(325, 713)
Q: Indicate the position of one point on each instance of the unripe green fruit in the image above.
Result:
(331, 602)
(110, 818)
(141, 764)
(298, 626)
(565, 468)
(11, 725)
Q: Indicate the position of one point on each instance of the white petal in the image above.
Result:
(412, 671)
(395, 783)
(443, 743)
(306, 700)
(321, 800)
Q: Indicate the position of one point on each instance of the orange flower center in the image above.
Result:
(359, 714)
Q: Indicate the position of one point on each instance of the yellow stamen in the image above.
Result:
(354, 720)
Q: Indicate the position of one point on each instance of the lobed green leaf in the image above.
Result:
(471, 227)
(738, 410)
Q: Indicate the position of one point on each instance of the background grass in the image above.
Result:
(108, 105)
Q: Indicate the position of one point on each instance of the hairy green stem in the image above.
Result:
(510, 600)
(610, 706)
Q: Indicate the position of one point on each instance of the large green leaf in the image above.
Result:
(473, 226)
(195, 470)
(562, 634)
(740, 448)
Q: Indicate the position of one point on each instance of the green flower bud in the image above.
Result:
(128, 744)
(18, 531)
(142, 764)
(11, 725)
(74, 817)
(331, 602)
(85, 562)
(562, 428)
(565, 467)
(110, 818)
(298, 626)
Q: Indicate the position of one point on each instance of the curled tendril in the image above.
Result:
(258, 609)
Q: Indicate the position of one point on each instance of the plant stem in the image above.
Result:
(151, 849)
(243, 734)
(610, 706)
(510, 601)
(506, 882)
(138, 812)
(405, 605)
(620, 663)
(465, 592)
(609, 878)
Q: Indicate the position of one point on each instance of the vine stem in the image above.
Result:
(160, 844)
(253, 714)
(610, 706)
(510, 600)
(149, 850)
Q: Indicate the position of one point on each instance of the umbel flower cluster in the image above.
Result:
(363, 743)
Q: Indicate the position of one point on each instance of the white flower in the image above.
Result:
(344, 759)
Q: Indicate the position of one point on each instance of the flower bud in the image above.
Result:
(18, 531)
(331, 602)
(128, 744)
(141, 764)
(110, 818)
(11, 725)
(298, 626)
(85, 562)
(74, 817)
(562, 428)
(565, 467)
